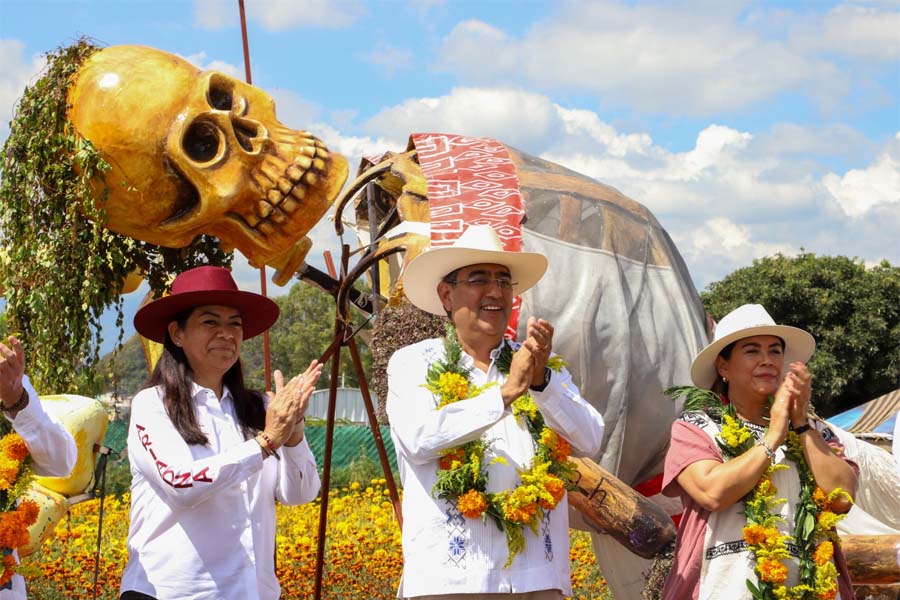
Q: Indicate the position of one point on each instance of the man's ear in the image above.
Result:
(443, 291)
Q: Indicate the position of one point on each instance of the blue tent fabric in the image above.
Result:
(875, 416)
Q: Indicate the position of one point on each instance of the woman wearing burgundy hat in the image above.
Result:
(208, 456)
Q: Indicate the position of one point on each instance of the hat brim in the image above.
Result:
(423, 274)
(799, 345)
(258, 313)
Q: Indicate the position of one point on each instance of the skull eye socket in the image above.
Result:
(220, 98)
(201, 142)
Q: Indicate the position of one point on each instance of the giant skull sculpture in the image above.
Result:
(200, 152)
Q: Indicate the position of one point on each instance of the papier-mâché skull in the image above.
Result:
(200, 152)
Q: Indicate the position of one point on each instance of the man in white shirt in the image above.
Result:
(447, 554)
(52, 447)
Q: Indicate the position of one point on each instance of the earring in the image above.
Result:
(724, 379)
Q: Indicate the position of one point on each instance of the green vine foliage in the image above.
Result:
(61, 269)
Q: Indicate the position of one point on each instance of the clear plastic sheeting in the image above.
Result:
(627, 317)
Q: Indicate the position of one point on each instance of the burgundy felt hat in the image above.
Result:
(202, 286)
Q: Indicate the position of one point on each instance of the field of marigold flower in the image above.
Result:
(363, 551)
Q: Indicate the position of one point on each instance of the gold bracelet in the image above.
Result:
(21, 403)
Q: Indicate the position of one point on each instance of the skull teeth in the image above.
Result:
(275, 197)
(287, 184)
(295, 174)
(264, 209)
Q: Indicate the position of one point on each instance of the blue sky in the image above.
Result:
(748, 128)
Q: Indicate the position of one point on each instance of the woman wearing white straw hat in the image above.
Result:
(209, 457)
(762, 484)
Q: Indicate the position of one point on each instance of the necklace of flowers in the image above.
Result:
(462, 474)
(16, 475)
(814, 521)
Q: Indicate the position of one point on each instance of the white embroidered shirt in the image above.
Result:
(444, 552)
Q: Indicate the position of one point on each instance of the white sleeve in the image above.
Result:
(160, 454)
(298, 479)
(569, 415)
(50, 444)
(422, 430)
(896, 448)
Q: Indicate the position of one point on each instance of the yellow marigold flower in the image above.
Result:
(823, 554)
(772, 571)
(520, 506)
(766, 488)
(733, 434)
(472, 504)
(451, 387)
(556, 363)
(828, 520)
(525, 405)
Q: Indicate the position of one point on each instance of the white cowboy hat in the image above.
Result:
(743, 322)
(478, 244)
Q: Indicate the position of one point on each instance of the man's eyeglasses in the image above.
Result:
(504, 283)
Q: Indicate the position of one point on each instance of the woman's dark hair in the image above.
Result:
(720, 386)
(173, 373)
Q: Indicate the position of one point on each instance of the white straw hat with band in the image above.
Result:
(478, 244)
(743, 322)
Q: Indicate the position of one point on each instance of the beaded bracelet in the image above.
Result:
(769, 452)
(270, 446)
(21, 403)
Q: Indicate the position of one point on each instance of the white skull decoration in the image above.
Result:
(200, 152)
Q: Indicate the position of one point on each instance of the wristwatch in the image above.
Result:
(541, 387)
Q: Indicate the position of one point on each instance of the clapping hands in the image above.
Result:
(287, 406)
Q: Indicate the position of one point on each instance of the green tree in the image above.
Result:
(125, 370)
(852, 311)
(303, 332)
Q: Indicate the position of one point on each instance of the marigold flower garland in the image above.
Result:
(462, 474)
(16, 475)
(814, 522)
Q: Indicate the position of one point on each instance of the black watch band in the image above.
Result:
(543, 386)
(803, 428)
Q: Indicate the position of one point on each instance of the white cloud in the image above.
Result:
(521, 119)
(389, 59)
(202, 62)
(281, 15)
(215, 14)
(648, 56)
(16, 72)
(719, 246)
(858, 191)
(853, 30)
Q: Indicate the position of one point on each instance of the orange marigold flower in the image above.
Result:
(15, 447)
(754, 534)
(562, 450)
(772, 571)
(819, 498)
(29, 511)
(472, 504)
(556, 488)
(824, 552)
(457, 455)
(523, 513)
